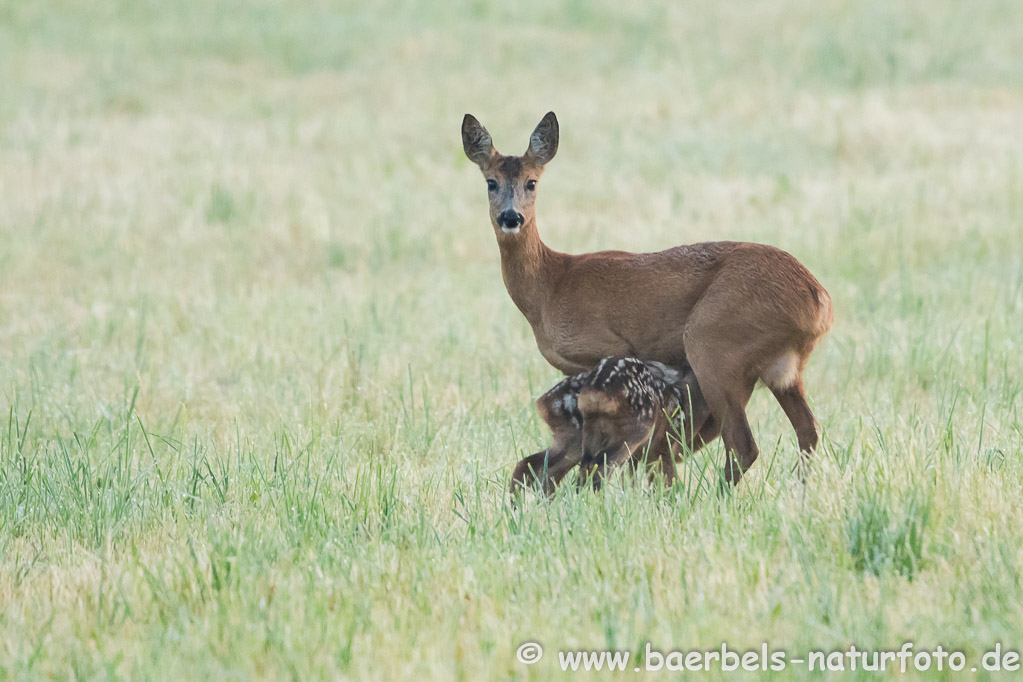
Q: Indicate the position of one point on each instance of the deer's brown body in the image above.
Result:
(737, 312)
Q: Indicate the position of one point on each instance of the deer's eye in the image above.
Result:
(530, 185)
(491, 185)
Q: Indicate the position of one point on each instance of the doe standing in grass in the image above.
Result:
(737, 312)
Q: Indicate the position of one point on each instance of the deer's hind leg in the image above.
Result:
(793, 402)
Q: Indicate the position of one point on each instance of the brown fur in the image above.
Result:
(737, 312)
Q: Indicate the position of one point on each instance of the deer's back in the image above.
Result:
(638, 304)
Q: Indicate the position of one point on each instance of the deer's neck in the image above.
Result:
(527, 266)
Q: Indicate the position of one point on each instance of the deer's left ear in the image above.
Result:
(476, 141)
(543, 143)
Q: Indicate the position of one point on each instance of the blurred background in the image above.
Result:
(215, 199)
(245, 269)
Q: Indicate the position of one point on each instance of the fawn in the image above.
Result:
(735, 312)
(623, 410)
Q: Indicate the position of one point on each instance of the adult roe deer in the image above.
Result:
(736, 311)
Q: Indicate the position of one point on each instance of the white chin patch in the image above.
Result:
(510, 230)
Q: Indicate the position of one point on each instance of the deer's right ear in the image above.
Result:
(543, 143)
(476, 141)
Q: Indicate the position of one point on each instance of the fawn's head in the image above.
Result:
(622, 407)
(612, 429)
(511, 180)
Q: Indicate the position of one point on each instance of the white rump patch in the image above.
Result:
(783, 372)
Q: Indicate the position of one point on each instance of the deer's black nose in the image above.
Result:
(510, 219)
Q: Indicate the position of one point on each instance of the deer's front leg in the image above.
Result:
(544, 469)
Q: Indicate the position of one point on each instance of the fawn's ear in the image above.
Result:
(543, 143)
(476, 141)
(667, 374)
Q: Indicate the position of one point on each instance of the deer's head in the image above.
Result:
(511, 180)
(613, 431)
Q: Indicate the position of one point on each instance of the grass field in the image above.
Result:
(261, 386)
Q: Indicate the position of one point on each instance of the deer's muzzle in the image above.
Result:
(510, 221)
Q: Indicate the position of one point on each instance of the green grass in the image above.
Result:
(261, 387)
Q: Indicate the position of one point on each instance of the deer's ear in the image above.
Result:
(543, 143)
(476, 141)
(661, 371)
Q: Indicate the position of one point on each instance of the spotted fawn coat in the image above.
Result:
(622, 411)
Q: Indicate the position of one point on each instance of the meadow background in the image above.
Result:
(261, 386)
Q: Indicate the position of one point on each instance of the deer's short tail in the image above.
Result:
(825, 314)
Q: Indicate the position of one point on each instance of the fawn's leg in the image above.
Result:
(546, 468)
